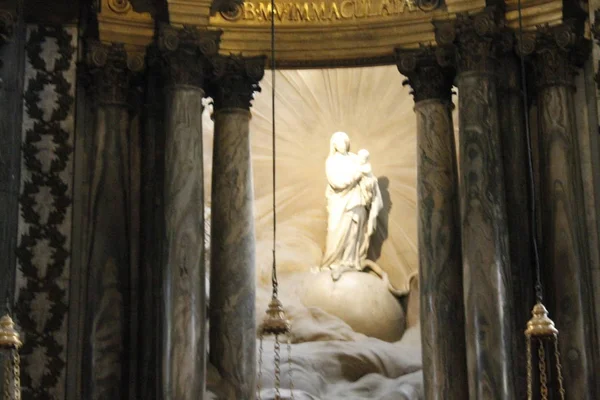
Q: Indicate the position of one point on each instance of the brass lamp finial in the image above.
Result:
(276, 322)
(540, 325)
(9, 337)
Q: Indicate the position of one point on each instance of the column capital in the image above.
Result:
(185, 52)
(475, 39)
(110, 68)
(234, 80)
(558, 52)
(7, 25)
(508, 63)
(428, 71)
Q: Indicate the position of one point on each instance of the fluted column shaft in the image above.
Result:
(564, 255)
(233, 272)
(184, 303)
(486, 258)
(440, 262)
(107, 328)
(511, 111)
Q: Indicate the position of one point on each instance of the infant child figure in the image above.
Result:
(368, 181)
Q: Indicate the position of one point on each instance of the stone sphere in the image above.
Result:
(360, 299)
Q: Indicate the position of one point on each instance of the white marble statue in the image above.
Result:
(353, 203)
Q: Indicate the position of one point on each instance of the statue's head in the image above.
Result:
(340, 143)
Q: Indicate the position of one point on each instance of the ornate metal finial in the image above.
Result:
(540, 325)
(276, 322)
(9, 337)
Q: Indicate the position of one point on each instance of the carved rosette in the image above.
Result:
(108, 73)
(429, 76)
(558, 52)
(234, 80)
(7, 26)
(475, 39)
(185, 54)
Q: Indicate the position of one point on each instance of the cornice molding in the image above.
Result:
(327, 41)
(119, 23)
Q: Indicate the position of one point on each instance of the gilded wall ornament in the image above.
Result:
(234, 80)
(120, 6)
(184, 53)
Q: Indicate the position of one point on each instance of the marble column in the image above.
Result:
(440, 262)
(556, 55)
(107, 324)
(233, 272)
(184, 52)
(485, 247)
(11, 85)
(511, 114)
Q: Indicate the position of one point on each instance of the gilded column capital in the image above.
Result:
(110, 69)
(558, 52)
(185, 54)
(474, 38)
(428, 71)
(234, 80)
(7, 26)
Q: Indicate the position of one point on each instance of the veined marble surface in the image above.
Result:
(233, 269)
(183, 262)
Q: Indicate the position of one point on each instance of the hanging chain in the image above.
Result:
(17, 373)
(532, 204)
(8, 370)
(559, 375)
(542, 366)
(260, 363)
(289, 348)
(274, 273)
(277, 368)
(529, 371)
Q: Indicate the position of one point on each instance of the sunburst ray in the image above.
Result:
(373, 107)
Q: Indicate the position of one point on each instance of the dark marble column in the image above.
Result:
(233, 273)
(107, 324)
(151, 227)
(11, 84)
(555, 56)
(511, 114)
(440, 262)
(486, 258)
(11, 103)
(184, 301)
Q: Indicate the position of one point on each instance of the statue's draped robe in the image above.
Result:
(348, 213)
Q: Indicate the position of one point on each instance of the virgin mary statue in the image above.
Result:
(353, 203)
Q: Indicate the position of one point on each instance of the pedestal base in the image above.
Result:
(360, 299)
